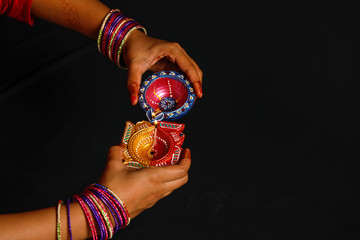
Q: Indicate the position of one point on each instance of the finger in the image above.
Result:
(198, 89)
(165, 64)
(178, 171)
(133, 83)
(172, 185)
(198, 84)
(186, 153)
(199, 71)
(187, 66)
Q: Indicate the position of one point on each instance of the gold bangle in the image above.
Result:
(122, 203)
(58, 225)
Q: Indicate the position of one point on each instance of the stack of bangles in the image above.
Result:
(97, 202)
(114, 31)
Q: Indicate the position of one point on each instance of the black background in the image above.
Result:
(274, 141)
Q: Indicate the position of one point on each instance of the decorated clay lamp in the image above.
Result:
(165, 96)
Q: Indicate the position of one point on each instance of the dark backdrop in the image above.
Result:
(274, 141)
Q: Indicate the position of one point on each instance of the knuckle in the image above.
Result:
(135, 65)
(133, 84)
(183, 172)
(175, 45)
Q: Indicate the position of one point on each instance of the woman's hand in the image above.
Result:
(141, 189)
(142, 53)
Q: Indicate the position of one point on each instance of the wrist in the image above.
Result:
(134, 36)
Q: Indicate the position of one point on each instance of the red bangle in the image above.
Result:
(113, 21)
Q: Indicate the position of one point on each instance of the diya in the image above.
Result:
(165, 95)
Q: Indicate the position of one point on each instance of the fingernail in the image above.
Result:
(198, 86)
(133, 99)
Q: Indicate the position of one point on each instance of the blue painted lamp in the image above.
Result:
(166, 96)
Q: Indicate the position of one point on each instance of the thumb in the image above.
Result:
(114, 166)
(133, 83)
(115, 157)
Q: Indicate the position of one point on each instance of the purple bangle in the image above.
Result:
(68, 218)
(118, 212)
(99, 220)
(78, 199)
(119, 37)
(119, 209)
(118, 19)
(115, 37)
(110, 207)
(124, 214)
(105, 30)
(108, 31)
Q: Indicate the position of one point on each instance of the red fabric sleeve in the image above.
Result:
(18, 9)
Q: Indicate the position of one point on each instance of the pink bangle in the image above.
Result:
(88, 216)
(102, 211)
(121, 211)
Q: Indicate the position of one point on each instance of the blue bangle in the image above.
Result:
(68, 217)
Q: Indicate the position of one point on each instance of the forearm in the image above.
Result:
(41, 224)
(84, 16)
